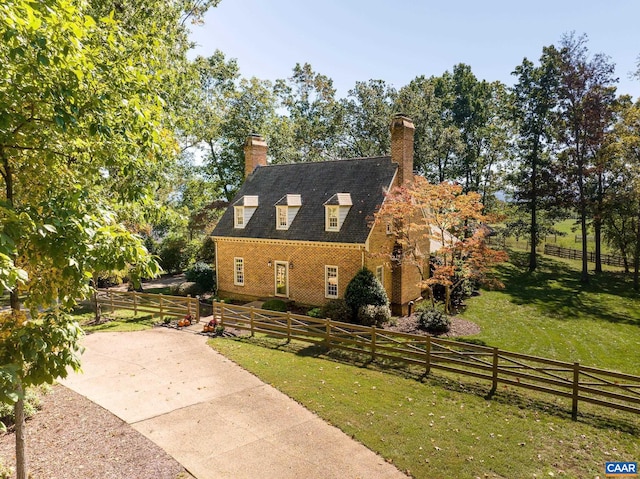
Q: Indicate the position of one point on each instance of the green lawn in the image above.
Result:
(550, 313)
(568, 237)
(442, 427)
(119, 321)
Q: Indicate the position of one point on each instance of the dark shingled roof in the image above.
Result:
(366, 179)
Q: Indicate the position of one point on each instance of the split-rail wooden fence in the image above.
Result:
(572, 381)
(159, 304)
(610, 259)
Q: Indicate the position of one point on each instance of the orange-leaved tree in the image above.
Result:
(441, 231)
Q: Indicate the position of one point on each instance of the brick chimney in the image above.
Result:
(255, 153)
(402, 130)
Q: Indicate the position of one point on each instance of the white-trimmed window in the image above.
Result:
(282, 218)
(238, 214)
(389, 229)
(380, 274)
(331, 281)
(332, 218)
(336, 210)
(238, 271)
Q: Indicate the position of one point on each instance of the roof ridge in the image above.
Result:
(338, 160)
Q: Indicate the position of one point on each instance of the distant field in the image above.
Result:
(550, 313)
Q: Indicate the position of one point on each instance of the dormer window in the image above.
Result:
(239, 216)
(287, 208)
(243, 210)
(283, 221)
(336, 210)
(332, 218)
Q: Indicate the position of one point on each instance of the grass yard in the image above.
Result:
(121, 320)
(569, 232)
(442, 427)
(550, 313)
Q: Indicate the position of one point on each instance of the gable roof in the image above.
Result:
(365, 179)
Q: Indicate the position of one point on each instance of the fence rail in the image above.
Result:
(568, 380)
(610, 259)
(162, 305)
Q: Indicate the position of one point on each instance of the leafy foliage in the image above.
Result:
(337, 310)
(364, 289)
(176, 254)
(374, 315)
(32, 404)
(434, 321)
(202, 274)
(275, 305)
(442, 218)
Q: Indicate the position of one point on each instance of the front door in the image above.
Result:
(282, 278)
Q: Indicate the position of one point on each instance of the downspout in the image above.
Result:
(215, 252)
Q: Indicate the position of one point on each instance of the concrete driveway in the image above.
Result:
(212, 416)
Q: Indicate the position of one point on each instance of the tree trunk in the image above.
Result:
(636, 259)
(597, 235)
(584, 277)
(447, 299)
(533, 255)
(14, 301)
(21, 446)
(597, 226)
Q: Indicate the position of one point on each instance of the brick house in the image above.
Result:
(302, 231)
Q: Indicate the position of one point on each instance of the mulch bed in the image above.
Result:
(71, 438)
(459, 327)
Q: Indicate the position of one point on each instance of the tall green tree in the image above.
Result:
(367, 111)
(622, 219)
(470, 112)
(313, 115)
(534, 103)
(82, 126)
(438, 142)
(586, 95)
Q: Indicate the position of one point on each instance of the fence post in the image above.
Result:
(188, 305)
(576, 384)
(288, 326)
(161, 310)
(327, 336)
(428, 356)
(111, 300)
(494, 373)
(251, 317)
(373, 343)
(221, 306)
(197, 310)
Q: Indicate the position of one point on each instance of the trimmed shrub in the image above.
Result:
(201, 274)
(370, 315)
(188, 288)
(364, 289)
(337, 310)
(315, 312)
(434, 321)
(275, 305)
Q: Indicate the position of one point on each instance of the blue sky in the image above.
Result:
(358, 40)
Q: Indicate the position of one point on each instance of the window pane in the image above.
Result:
(331, 281)
(282, 216)
(239, 271)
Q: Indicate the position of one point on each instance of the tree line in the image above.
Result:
(559, 142)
